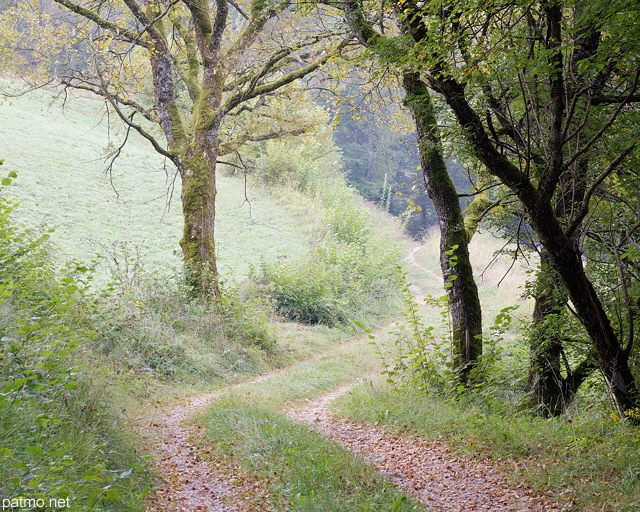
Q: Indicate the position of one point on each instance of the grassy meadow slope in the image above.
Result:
(58, 152)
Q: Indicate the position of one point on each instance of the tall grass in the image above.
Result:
(155, 330)
(59, 437)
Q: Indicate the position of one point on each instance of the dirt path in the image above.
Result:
(191, 483)
(418, 293)
(426, 471)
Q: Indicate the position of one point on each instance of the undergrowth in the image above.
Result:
(156, 329)
(73, 356)
(59, 437)
(348, 276)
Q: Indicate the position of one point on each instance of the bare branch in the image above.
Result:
(255, 90)
(239, 9)
(605, 125)
(584, 209)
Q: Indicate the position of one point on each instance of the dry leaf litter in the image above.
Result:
(426, 471)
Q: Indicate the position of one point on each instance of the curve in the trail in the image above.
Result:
(426, 471)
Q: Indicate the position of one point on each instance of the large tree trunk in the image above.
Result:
(198, 209)
(464, 303)
(549, 388)
(196, 159)
(565, 259)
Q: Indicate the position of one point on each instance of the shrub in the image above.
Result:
(58, 439)
(348, 277)
(156, 326)
(307, 292)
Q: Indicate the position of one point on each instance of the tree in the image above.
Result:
(544, 94)
(464, 302)
(379, 150)
(210, 71)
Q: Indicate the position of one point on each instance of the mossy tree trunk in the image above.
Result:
(552, 383)
(206, 66)
(464, 303)
(199, 213)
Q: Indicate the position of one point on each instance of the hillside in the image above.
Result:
(58, 151)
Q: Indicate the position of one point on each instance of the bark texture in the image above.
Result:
(464, 303)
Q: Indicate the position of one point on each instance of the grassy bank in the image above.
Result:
(132, 211)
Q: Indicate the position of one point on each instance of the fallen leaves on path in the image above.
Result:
(426, 471)
(191, 483)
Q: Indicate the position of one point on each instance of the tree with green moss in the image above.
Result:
(544, 95)
(463, 298)
(197, 80)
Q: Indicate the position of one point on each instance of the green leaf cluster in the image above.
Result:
(58, 441)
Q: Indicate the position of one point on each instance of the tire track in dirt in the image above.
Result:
(426, 471)
(190, 483)
(193, 483)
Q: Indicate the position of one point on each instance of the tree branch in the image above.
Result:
(255, 90)
(234, 145)
(128, 35)
(584, 208)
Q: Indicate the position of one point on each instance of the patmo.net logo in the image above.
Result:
(31, 503)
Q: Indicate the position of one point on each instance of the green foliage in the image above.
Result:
(339, 283)
(307, 292)
(421, 357)
(157, 328)
(348, 276)
(58, 438)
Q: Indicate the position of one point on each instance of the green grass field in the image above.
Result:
(58, 152)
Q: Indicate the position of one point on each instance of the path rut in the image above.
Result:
(191, 483)
(426, 471)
